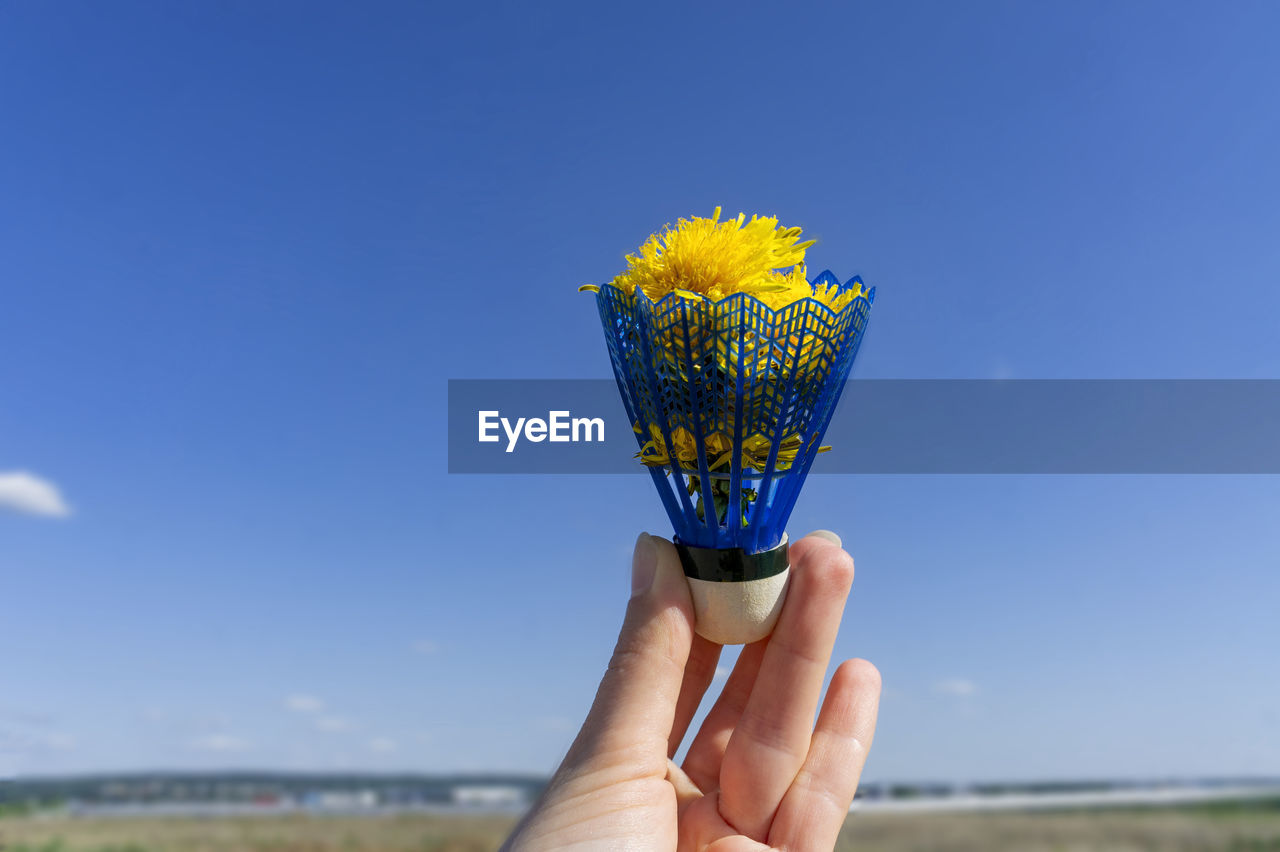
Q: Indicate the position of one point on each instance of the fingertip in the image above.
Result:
(644, 564)
(853, 701)
(822, 562)
(826, 535)
(857, 674)
(670, 587)
(668, 558)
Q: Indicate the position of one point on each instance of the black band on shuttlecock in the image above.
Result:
(731, 564)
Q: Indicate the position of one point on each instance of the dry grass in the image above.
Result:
(1185, 830)
(416, 833)
(1233, 829)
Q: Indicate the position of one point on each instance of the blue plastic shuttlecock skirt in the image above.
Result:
(730, 400)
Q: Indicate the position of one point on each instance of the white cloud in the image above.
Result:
(300, 703)
(722, 673)
(955, 686)
(24, 492)
(219, 742)
(425, 647)
(333, 724)
(382, 745)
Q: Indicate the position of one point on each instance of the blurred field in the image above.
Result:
(1223, 826)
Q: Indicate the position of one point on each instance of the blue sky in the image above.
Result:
(243, 247)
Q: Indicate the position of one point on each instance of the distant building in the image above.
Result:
(488, 796)
(340, 800)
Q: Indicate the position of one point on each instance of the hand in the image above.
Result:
(759, 773)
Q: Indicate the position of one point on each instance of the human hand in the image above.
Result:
(759, 774)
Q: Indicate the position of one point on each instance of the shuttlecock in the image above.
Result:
(730, 363)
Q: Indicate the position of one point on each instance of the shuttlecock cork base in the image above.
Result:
(737, 596)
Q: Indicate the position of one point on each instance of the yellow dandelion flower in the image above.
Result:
(719, 449)
(707, 258)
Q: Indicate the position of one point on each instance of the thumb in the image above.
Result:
(635, 705)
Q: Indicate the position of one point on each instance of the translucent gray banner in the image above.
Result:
(906, 426)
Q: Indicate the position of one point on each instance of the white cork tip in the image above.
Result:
(736, 613)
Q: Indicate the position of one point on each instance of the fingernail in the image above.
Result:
(644, 564)
(829, 536)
